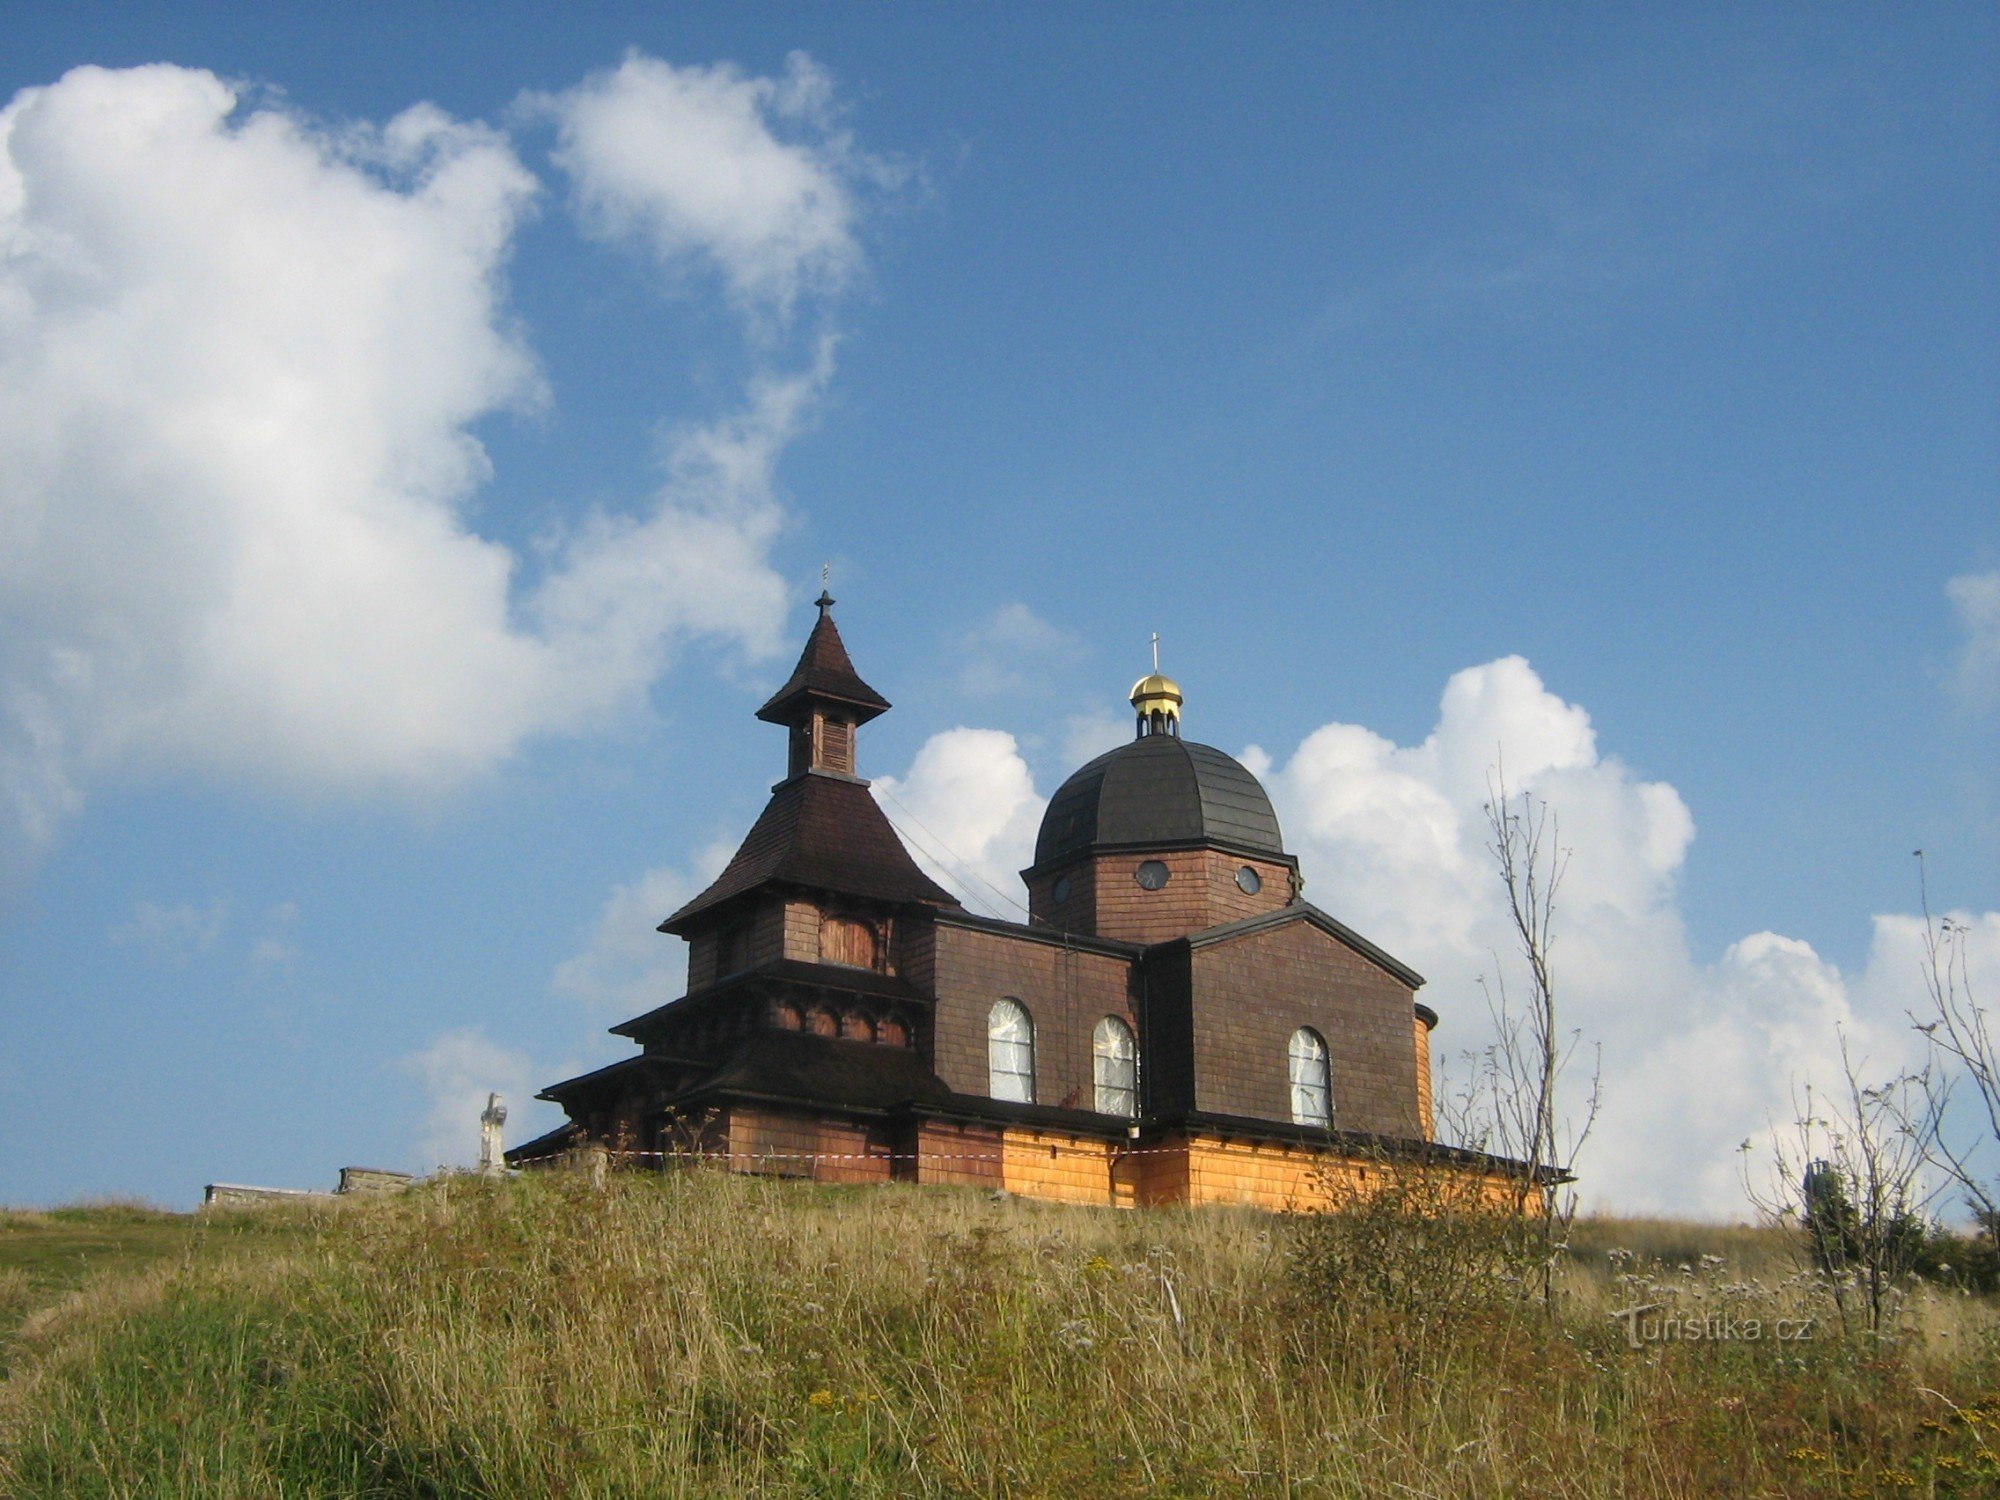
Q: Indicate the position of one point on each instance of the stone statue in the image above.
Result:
(492, 1155)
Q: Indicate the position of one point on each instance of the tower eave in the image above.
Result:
(825, 673)
(783, 707)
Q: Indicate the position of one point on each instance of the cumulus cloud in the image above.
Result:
(1976, 674)
(1395, 837)
(1088, 735)
(748, 177)
(241, 357)
(458, 1070)
(628, 966)
(969, 810)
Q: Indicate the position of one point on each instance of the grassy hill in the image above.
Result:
(705, 1335)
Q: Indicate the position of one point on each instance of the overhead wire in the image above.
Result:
(967, 873)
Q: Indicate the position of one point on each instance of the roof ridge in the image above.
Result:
(1304, 911)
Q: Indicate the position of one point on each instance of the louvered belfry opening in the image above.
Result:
(836, 744)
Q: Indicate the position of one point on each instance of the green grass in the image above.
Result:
(704, 1335)
(47, 1254)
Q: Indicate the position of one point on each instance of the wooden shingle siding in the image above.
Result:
(780, 1144)
(1251, 993)
(1066, 991)
(965, 1155)
(1425, 1113)
(1064, 1168)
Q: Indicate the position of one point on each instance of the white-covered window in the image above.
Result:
(1010, 1052)
(1114, 1067)
(1312, 1079)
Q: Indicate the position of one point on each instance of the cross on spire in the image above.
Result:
(1156, 651)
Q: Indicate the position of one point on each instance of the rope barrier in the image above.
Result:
(888, 1156)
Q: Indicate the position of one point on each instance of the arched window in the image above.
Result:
(1010, 1052)
(1114, 1067)
(1312, 1079)
(847, 940)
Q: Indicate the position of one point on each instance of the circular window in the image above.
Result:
(1249, 881)
(1063, 888)
(1151, 875)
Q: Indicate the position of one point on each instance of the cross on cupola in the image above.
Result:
(1156, 699)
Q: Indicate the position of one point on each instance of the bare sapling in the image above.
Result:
(1850, 1175)
(1514, 1107)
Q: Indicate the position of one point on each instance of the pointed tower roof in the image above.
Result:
(822, 829)
(824, 672)
(823, 833)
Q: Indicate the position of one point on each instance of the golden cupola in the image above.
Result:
(1156, 699)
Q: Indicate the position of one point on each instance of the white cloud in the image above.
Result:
(749, 176)
(629, 966)
(1395, 838)
(1088, 735)
(1976, 674)
(458, 1070)
(240, 359)
(1013, 651)
(969, 810)
(173, 934)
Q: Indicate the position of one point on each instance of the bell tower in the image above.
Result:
(823, 703)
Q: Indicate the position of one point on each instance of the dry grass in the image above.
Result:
(703, 1335)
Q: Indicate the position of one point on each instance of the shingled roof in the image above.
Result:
(823, 832)
(1158, 790)
(797, 1067)
(784, 975)
(824, 671)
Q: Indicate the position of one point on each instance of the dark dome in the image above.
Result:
(1159, 789)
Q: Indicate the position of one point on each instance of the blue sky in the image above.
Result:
(428, 506)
